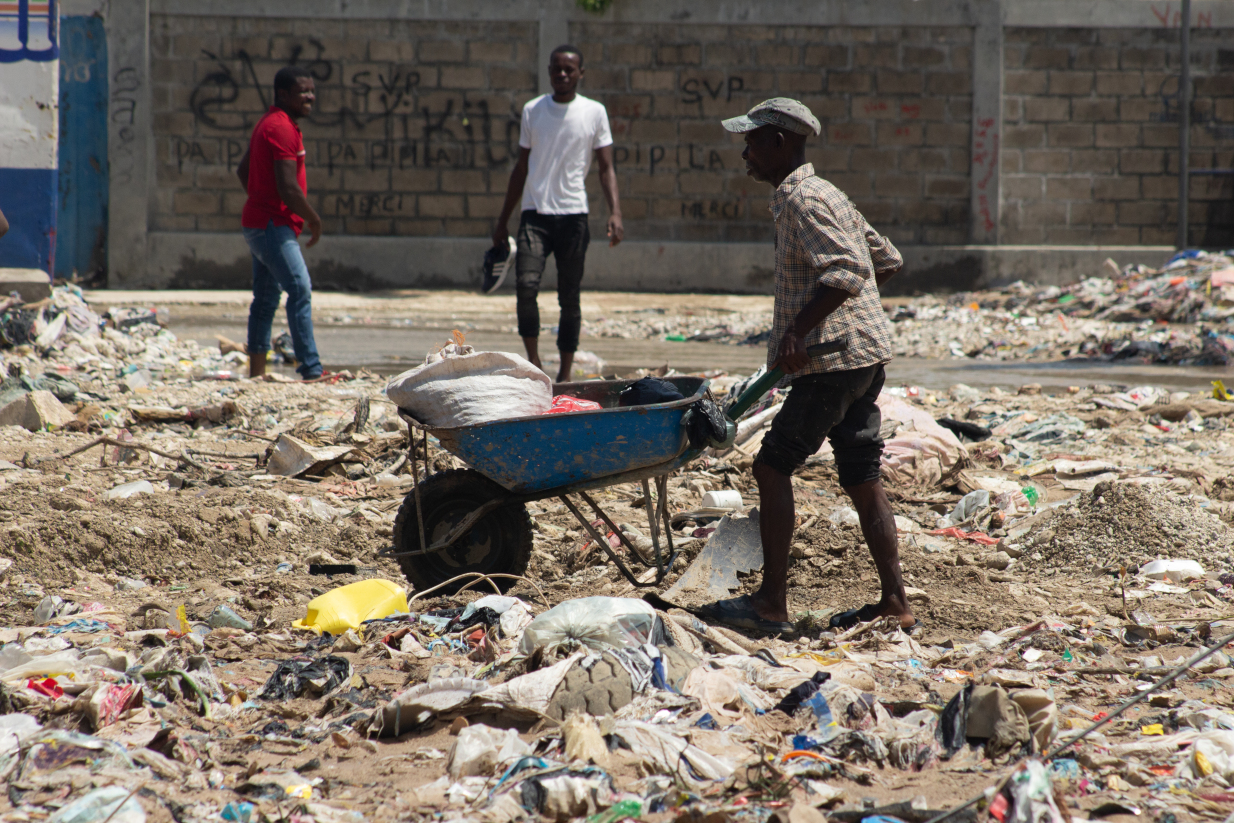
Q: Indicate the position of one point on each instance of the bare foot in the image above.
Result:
(769, 610)
(895, 607)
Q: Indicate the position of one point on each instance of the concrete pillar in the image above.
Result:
(29, 126)
(554, 31)
(987, 121)
(130, 149)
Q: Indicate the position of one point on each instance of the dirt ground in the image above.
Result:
(215, 528)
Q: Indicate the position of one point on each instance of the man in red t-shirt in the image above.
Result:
(272, 172)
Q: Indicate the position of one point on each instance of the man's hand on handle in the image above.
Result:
(791, 356)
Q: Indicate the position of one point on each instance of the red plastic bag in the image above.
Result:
(47, 688)
(959, 534)
(565, 403)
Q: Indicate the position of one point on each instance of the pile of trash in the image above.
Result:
(1178, 314)
(199, 622)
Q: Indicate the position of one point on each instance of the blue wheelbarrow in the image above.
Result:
(473, 522)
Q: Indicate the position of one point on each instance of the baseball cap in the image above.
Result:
(784, 112)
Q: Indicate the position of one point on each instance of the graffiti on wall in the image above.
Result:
(379, 122)
(379, 108)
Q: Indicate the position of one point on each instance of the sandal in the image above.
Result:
(846, 620)
(739, 613)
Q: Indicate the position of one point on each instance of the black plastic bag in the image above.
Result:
(649, 390)
(802, 692)
(963, 428)
(706, 425)
(953, 725)
(293, 677)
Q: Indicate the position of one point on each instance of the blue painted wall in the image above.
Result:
(27, 198)
(29, 72)
(81, 224)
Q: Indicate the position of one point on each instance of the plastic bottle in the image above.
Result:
(225, 617)
(618, 811)
(115, 804)
(215, 374)
(238, 812)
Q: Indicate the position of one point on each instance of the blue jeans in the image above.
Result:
(279, 267)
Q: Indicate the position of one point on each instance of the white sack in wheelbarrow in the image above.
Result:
(459, 386)
(921, 452)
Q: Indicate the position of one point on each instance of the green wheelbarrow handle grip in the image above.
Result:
(762, 385)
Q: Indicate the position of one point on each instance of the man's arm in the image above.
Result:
(4, 225)
(792, 355)
(886, 257)
(514, 195)
(608, 182)
(290, 193)
(242, 171)
(841, 275)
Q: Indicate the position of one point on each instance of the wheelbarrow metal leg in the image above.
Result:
(662, 570)
(602, 542)
(652, 526)
(608, 521)
(415, 474)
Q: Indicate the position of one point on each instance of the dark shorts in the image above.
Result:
(835, 405)
(566, 237)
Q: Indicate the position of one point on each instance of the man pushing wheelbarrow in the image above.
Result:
(829, 264)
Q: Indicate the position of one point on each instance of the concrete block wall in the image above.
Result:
(1090, 150)
(414, 127)
(895, 103)
(988, 138)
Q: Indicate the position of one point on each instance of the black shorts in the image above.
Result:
(835, 405)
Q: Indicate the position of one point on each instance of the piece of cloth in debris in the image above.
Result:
(293, 677)
(566, 794)
(921, 453)
(993, 716)
(853, 709)
(526, 695)
(912, 740)
(723, 694)
(420, 703)
(666, 753)
(1042, 714)
(640, 663)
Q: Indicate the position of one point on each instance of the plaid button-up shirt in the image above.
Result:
(822, 240)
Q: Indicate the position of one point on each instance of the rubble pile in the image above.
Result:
(1178, 314)
(199, 625)
(1127, 524)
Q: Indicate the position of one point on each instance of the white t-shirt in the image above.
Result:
(562, 138)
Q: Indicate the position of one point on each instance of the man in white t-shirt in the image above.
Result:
(560, 133)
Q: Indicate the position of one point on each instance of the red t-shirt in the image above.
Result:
(276, 137)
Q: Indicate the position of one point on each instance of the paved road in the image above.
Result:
(388, 333)
(389, 351)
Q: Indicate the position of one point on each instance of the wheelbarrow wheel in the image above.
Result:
(500, 542)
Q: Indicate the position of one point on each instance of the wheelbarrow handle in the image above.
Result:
(764, 384)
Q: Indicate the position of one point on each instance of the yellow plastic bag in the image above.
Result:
(349, 606)
(1220, 392)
